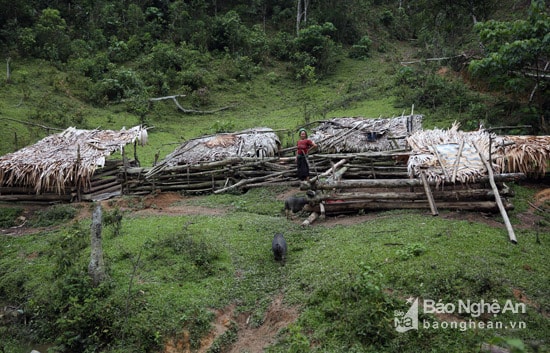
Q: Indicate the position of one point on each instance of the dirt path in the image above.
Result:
(249, 339)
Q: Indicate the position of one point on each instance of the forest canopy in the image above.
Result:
(141, 49)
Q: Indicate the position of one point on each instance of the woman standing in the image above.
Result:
(304, 145)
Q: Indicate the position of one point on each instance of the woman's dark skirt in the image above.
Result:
(303, 167)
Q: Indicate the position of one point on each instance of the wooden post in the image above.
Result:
(96, 267)
(503, 213)
(457, 161)
(428, 192)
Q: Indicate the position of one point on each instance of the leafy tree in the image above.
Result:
(315, 47)
(442, 24)
(517, 58)
(229, 33)
(51, 36)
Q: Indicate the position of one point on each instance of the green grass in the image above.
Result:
(167, 272)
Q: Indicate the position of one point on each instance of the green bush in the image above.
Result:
(8, 216)
(356, 310)
(315, 47)
(53, 215)
(361, 50)
(119, 84)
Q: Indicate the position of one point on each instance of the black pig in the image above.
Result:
(278, 245)
(294, 204)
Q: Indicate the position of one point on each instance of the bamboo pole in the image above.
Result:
(511, 234)
(251, 180)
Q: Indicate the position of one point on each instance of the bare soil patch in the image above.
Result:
(250, 339)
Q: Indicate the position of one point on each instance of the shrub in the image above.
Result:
(357, 308)
(8, 216)
(53, 215)
(361, 50)
(315, 47)
(122, 83)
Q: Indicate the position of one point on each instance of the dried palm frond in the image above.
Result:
(258, 142)
(359, 134)
(524, 154)
(451, 155)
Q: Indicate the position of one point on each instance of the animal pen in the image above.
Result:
(361, 164)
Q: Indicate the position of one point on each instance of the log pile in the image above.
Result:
(243, 173)
(231, 174)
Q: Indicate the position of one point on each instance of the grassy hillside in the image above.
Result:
(41, 96)
(177, 266)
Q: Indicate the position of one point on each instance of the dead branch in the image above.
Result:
(433, 59)
(33, 124)
(188, 111)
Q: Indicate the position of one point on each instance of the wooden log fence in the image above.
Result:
(343, 183)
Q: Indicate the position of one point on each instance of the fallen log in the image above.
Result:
(443, 195)
(36, 197)
(102, 186)
(333, 208)
(329, 171)
(312, 217)
(393, 183)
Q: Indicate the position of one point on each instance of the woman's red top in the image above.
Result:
(304, 146)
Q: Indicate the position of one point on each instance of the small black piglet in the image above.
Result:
(278, 245)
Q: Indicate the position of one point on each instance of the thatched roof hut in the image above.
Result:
(453, 155)
(69, 158)
(359, 134)
(449, 155)
(256, 142)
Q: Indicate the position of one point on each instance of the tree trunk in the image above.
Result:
(96, 267)
(301, 14)
(8, 71)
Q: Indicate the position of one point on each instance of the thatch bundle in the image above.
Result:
(257, 142)
(358, 134)
(68, 158)
(450, 155)
(524, 154)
